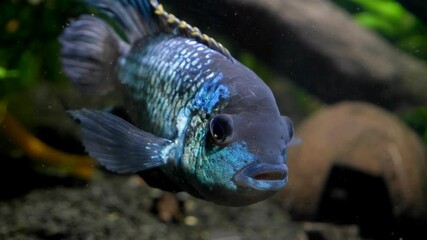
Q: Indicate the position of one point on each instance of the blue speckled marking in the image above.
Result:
(173, 82)
(163, 77)
(211, 93)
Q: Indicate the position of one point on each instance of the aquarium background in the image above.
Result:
(351, 74)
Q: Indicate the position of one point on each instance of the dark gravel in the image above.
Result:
(117, 207)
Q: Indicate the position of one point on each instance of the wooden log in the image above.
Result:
(317, 45)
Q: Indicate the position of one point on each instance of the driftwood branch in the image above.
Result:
(317, 45)
(79, 166)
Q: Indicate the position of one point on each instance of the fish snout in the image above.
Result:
(262, 176)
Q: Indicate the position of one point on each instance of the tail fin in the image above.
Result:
(91, 48)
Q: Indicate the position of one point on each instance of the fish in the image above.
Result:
(198, 120)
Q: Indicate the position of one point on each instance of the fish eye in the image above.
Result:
(221, 129)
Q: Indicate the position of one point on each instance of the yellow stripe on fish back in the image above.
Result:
(173, 22)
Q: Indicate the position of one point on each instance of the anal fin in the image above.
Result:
(118, 145)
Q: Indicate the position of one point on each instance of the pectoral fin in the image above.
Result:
(289, 128)
(118, 145)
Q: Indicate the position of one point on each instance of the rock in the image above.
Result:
(317, 45)
(355, 160)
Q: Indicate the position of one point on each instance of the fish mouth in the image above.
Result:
(262, 176)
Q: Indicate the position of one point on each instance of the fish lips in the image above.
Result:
(262, 176)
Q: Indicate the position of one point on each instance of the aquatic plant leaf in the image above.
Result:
(417, 120)
(392, 21)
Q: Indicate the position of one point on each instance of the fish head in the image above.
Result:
(245, 151)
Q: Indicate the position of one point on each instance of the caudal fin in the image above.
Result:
(90, 50)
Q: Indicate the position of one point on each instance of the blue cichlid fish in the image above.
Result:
(199, 120)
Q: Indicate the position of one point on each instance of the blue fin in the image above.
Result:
(118, 145)
(90, 50)
(295, 141)
(134, 17)
(140, 18)
(289, 129)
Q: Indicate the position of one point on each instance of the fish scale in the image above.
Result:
(152, 74)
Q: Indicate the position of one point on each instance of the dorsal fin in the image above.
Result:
(135, 18)
(183, 28)
(139, 18)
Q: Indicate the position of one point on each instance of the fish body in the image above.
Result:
(200, 121)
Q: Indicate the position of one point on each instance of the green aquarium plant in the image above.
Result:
(29, 48)
(392, 21)
(417, 119)
(29, 56)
